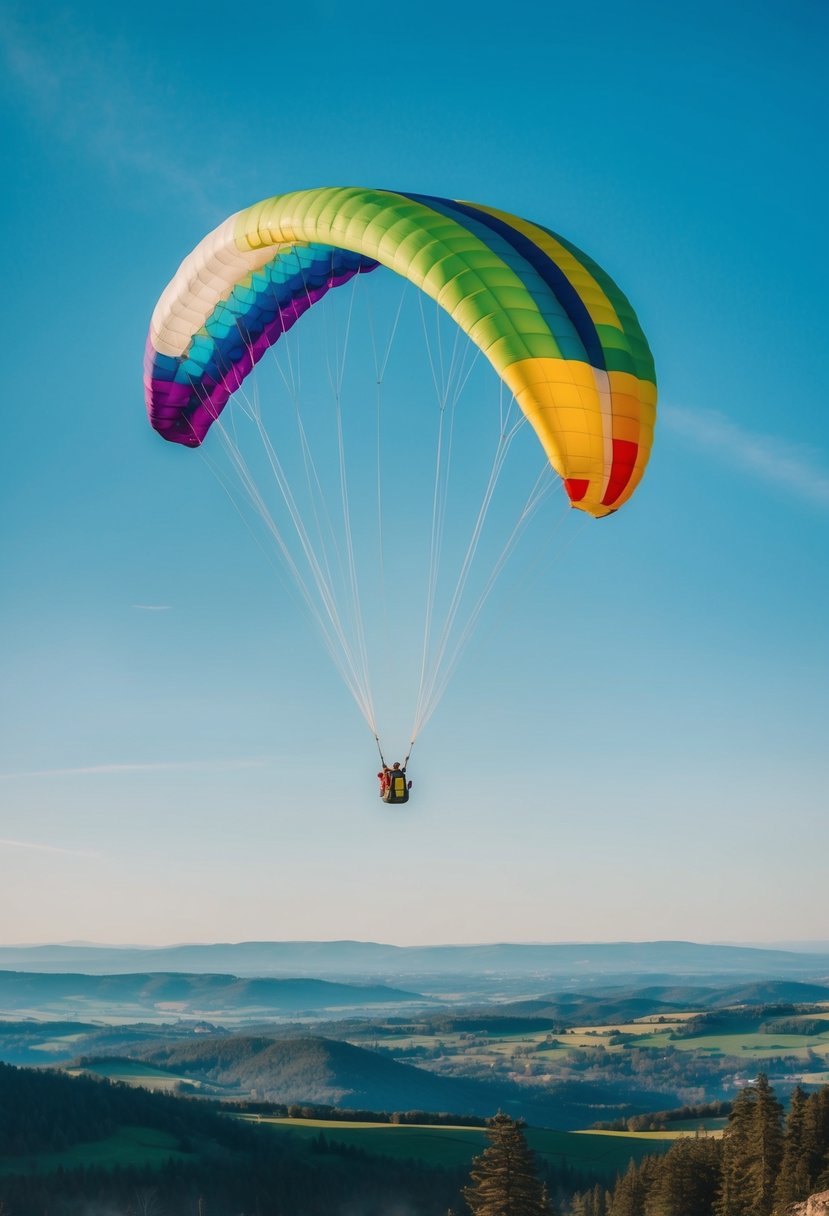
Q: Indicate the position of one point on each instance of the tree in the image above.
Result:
(752, 1152)
(793, 1180)
(685, 1179)
(146, 1202)
(504, 1181)
(595, 1202)
(632, 1188)
(816, 1139)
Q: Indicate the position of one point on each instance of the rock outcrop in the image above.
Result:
(815, 1205)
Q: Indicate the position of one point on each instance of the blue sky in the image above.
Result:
(634, 744)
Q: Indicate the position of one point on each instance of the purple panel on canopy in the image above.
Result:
(184, 412)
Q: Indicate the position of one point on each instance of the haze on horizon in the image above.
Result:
(809, 946)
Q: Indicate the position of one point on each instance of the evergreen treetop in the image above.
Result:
(504, 1181)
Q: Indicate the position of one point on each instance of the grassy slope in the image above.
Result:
(128, 1146)
(134, 1072)
(595, 1152)
(604, 1153)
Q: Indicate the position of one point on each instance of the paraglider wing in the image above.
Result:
(555, 327)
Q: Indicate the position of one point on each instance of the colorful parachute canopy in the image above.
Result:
(555, 327)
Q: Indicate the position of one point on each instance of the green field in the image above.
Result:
(128, 1146)
(457, 1050)
(134, 1072)
(815, 1078)
(604, 1153)
(746, 1044)
(60, 1044)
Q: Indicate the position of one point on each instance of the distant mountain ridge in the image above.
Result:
(372, 960)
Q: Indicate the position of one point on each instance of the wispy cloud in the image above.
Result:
(795, 468)
(153, 607)
(96, 770)
(36, 847)
(97, 97)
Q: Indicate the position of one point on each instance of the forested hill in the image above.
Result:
(199, 995)
(233, 1166)
(312, 1069)
(332, 1072)
(48, 1111)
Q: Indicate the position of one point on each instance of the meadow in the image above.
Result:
(602, 1153)
(128, 1146)
(134, 1072)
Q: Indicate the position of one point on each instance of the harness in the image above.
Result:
(397, 789)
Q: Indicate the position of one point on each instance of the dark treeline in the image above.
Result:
(794, 1025)
(450, 1023)
(495, 1024)
(742, 1017)
(345, 1114)
(658, 1120)
(271, 1181)
(277, 1178)
(762, 1164)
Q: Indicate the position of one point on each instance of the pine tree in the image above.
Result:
(734, 1198)
(686, 1179)
(550, 1208)
(752, 1152)
(583, 1203)
(631, 1190)
(769, 1145)
(793, 1181)
(816, 1139)
(598, 1201)
(504, 1181)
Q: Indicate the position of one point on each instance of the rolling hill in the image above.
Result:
(625, 1004)
(331, 1072)
(204, 996)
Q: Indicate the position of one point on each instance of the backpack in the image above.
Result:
(398, 790)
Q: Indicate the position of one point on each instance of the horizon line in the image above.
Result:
(787, 946)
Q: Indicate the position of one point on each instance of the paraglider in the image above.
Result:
(559, 333)
(394, 785)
